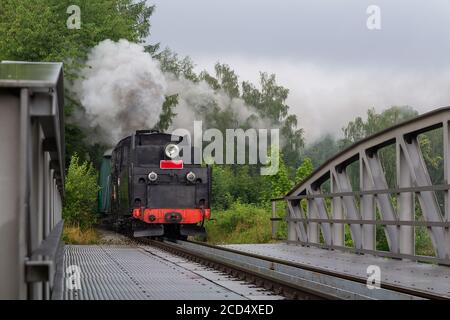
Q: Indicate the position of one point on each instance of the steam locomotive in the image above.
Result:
(148, 189)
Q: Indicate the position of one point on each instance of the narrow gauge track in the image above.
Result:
(292, 280)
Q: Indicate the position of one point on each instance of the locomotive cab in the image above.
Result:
(155, 192)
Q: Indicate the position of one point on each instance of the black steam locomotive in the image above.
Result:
(149, 189)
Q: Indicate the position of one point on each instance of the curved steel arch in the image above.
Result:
(357, 208)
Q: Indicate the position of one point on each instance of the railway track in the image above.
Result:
(292, 280)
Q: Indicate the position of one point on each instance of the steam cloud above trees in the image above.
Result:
(123, 89)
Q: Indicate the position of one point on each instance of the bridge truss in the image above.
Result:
(328, 202)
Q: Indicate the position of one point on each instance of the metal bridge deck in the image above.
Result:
(412, 275)
(142, 273)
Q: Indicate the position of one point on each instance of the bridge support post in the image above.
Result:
(343, 184)
(296, 228)
(274, 222)
(292, 230)
(405, 203)
(338, 213)
(367, 207)
(446, 151)
(313, 227)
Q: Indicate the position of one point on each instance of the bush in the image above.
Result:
(236, 183)
(241, 223)
(81, 194)
(222, 186)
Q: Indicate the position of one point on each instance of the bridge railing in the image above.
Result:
(346, 217)
(31, 178)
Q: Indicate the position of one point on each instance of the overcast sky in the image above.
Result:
(322, 50)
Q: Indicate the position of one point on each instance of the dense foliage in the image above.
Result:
(81, 194)
(304, 170)
(240, 223)
(37, 31)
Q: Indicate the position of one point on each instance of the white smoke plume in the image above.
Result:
(195, 98)
(122, 89)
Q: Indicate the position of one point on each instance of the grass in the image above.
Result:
(75, 235)
(241, 223)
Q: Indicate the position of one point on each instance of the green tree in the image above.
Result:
(81, 194)
(375, 122)
(320, 150)
(210, 80)
(304, 170)
(222, 187)
(277, 185)
(228, 80)
(37, 31)
(270, 103)
(247, 185)
(171, 63)
(167, 113)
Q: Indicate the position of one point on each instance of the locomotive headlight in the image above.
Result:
(152, 176)
(191, 177)
(172, 150)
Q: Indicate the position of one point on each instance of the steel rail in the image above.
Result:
(266, 281)
(271, 280)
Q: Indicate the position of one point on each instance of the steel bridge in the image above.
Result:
(317, 215)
